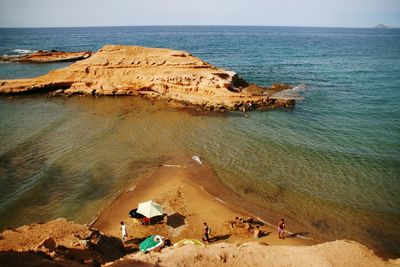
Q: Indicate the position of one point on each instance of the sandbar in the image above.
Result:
(192, 190)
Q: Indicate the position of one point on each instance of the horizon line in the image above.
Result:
(196, 25)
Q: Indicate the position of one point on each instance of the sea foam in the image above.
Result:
(23, 51)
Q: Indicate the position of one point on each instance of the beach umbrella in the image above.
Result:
(150, 243)
(150, 209)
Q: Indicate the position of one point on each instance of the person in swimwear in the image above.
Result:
(281, 229)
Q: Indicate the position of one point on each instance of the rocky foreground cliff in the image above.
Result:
(155, 73)
(64, 243)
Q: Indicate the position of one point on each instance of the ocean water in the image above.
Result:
(330, 165)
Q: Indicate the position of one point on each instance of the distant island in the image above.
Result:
(383, 26)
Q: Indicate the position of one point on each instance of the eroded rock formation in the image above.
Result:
(47, 57)
(63, 243)
(58, 243)
(155, 73)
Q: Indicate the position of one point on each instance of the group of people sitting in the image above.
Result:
(248, 224)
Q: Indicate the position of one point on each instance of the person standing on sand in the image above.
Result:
(281, 229)
(124, 235)
(205, 233)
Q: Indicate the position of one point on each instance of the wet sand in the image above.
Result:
(193, 192)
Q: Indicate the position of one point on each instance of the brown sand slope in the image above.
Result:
(152, 72)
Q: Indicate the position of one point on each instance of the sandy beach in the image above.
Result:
(181, 186)
(190, 191)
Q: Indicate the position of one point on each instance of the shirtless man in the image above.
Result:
(281, 229)
(124, 235)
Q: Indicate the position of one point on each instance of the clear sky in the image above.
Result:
(325, 13)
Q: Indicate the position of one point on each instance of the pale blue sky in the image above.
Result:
(325, 13)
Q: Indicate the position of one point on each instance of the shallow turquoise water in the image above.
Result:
(332, 162)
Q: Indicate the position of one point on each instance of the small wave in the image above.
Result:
(132, 188)
(23, 51)
(220, 200)
(6, 56)
(291, 93)
(299, 87)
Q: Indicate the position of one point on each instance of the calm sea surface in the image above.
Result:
(331, 163)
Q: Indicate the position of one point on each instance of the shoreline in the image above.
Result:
(317, 233)
(175, 182)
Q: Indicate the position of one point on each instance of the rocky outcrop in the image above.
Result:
(336, 253)
(47, 57)
(58, 243)
(63, 243)
(154, 73)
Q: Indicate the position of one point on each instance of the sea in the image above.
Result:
(332, 162)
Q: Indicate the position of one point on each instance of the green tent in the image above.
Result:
(150, 243)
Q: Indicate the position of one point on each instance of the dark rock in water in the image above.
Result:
(280, 86)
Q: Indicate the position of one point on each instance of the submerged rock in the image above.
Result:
(154, 73)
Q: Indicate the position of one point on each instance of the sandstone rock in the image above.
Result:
(154, 73)
(47, 57)
(336, 253)
(19, 248)
(58, 239)
(48, 244)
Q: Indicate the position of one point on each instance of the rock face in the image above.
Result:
(58, 243)
(336, 253)
(63, 243)
(47, 57)
(152, 72)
